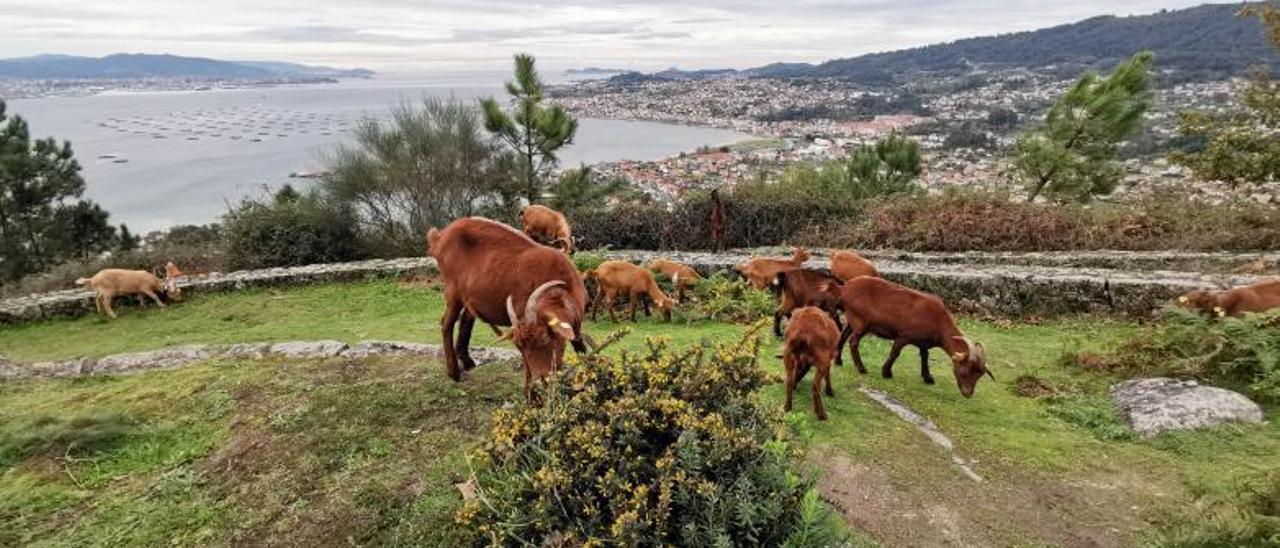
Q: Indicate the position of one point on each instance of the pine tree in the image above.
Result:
(1071, 154)
(535, 132)
(43, 221)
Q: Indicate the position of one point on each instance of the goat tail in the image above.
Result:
(82, 281)
(433, 236)
(798, 347)
(779, 280)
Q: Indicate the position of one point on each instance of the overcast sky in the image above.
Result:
(433, 35)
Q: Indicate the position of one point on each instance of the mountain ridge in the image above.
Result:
(148, 65)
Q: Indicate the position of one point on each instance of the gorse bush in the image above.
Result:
(730, 299)
(1241, 351)
(660, 447)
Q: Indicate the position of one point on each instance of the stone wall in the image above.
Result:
(1128, 284)
(181, 356)
(78, 302)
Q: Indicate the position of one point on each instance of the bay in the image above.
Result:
(158, 159)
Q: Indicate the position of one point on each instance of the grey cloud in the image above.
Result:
(325, 34)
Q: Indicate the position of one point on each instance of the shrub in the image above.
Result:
(1249, 516)
(290, 230)
(730, 299)
(658, 447)
(1242, 352)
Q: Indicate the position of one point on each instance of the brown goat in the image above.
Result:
(494, 273)
(113, 282)
(800, 287)
(812, 340)
(1259, 297)
(906, 316)
(682, 276)
(623, 278)
(548, 227)
(760, 272)
(848, 265)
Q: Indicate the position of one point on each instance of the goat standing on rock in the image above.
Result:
(906, 316)
(812, 340)
(494, 273)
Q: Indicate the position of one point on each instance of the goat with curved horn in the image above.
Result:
(485, 266)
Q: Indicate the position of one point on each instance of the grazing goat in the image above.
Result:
(682, 276)
(812, 340)
(800, 287)
(848, 265)
(760, 272)
(548, 227)
(494, 273)
(113, 282)
(1259, 297)
(171, 274)
(717, 220)
(906, 316)
(623, 278)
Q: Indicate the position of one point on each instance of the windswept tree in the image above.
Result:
(424, 167)
(1242, 146)
(535, 132)
(43, 220)
(1071, 155)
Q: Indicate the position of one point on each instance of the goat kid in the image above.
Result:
(812, 340)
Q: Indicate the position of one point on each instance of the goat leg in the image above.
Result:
(463, 348)
(451, 313)
(886, 370)
(817, 395)
(791, 381)
(924, 366)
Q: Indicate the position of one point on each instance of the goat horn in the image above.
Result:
(529, 314)
(511, 313)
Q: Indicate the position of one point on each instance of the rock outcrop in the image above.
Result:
(1156, 405)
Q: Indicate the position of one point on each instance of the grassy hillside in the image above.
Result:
(367, 452)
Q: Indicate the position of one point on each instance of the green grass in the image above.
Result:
(258, 452)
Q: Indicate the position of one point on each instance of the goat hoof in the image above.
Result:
(928, 380)
(886, 374)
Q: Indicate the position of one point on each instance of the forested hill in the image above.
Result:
(1201, 40)
(1204, 42)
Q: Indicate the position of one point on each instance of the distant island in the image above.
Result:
(45, 75)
